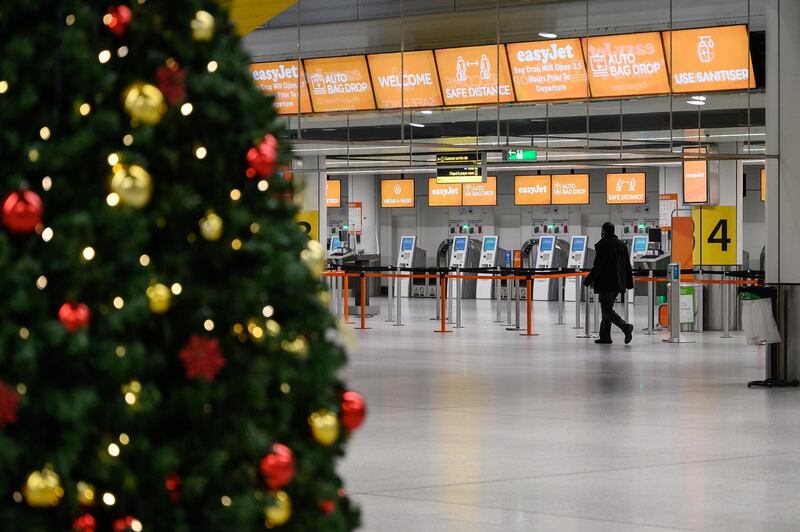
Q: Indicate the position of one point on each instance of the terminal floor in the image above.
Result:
(485, 430)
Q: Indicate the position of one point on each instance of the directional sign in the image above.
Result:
(521, 155)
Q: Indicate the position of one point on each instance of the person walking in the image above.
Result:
(611, 275)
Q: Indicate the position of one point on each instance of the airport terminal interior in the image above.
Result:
(471, 137)
(458, 163)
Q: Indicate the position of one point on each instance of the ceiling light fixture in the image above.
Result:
(426, 112)
(695, 102)
(547, 35)
(699, 98)
(416, 124)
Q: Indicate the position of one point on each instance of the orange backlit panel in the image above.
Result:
(695, 178)
(415, 77)
(469, 75)
(481, 194)
(548, 70)
(570, 189)
(333, 193)
(443, 195)
(626, 65)
(339, 84)
(532, 190)
(280, 79)
(397, 193)
(625, 188)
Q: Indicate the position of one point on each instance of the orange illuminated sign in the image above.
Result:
(339, 84)
(625, 188)
(443, 195)
(469, 75)
(626, 65)
(280, 79)
(532, 190)
(333, 193)
(414, 77)
(695, 177)
(548, 70)
(709, 59)
(397, 193)
(481, 194)
(570, 189)
(763, 184)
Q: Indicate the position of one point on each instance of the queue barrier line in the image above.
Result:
(699, 281)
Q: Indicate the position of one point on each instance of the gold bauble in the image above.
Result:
(280, 511)
(144, 103)
(314, 257)
(297, 347)
(43, 488)
(324, 426)
(211, 226)
(86, 494)
(202, 26)
(159, 298)
(132, 184)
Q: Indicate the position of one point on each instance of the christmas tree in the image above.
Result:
(167, 359)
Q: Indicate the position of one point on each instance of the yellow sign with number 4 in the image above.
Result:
(715, 236)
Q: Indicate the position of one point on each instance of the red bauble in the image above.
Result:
(171, 80)
(202, 358)
(85, 523)
(327, 506)
(278, 466)
(354, 409)
(125, 524)
(9, 403)
(117, 19)
(22, 211)
(173, 484)
(263, 158)
(74, 316)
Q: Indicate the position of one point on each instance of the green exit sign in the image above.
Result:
(521, 155)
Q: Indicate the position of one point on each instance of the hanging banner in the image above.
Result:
(715, 236)
(695, 177)
(626, 188)
(709, 59)
(447, 195)
(333, 193)
(469, 75)
(355, 218)
(397, 193)
(414, 79)
(571, 189)
(280, 79)
(548, 70)
(339, 84)
(532, 190)
(667, 204)
(626, 65)
(481, 194)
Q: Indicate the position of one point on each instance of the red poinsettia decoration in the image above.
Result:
(9, 402)
(202, 358)
(171, 80)
(261, 160)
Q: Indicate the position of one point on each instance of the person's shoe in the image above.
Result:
(603, 342)
(629, 334)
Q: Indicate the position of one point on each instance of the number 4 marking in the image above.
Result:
(722, 229)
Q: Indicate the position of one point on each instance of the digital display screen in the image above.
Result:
(639, 244)
(339, 84)
(336, 243)
(410, 76)
(397, 193)
(626, 188)
(546, 244)
(626, 65)
(578, 243)
(407, 243)
(489, 243)
(460, 243)
(469, 75)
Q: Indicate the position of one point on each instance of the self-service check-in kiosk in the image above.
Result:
(580, 256)
(410, 256)
(528, 252)
(464, 254)
(552, 254)
(490, 256)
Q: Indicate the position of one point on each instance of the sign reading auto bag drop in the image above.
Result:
(339, 84)
(481, 194)
(570, 189)
(626, 65)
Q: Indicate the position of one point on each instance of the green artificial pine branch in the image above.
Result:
(111, 404)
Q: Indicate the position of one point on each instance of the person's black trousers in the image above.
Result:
(609, 315)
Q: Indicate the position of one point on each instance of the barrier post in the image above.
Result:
(443, 283)
(399, 301)
(529, 307)
(674, 277)
(497, 292)
(585, 293)
(651, 305)
(346, 290)
(560, 300)
(450, 302)
(458, 298)
(436, 300)
(392, 288)
(726, 311)
(363, 281)
(624, 297)
(579, 291)
(596, 316)
(509, 295)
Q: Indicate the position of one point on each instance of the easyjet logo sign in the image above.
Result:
(545, 55)
(532, 190)
(281, 72)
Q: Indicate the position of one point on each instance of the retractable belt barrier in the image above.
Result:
(441, 276)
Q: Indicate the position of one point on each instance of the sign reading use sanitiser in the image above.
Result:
(481, 194)
(339, 84)
(626, 65)
(695, 177)
(532, 190)
(397, 193)
(470, 75)
(570, 189)
(410, 76)
(448, 195)
(548, 70)
(628, 188)
(283, 80)
(709, 59)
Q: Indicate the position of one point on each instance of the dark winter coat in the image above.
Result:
(612, 267)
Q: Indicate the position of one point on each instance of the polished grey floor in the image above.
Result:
(485, 430)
